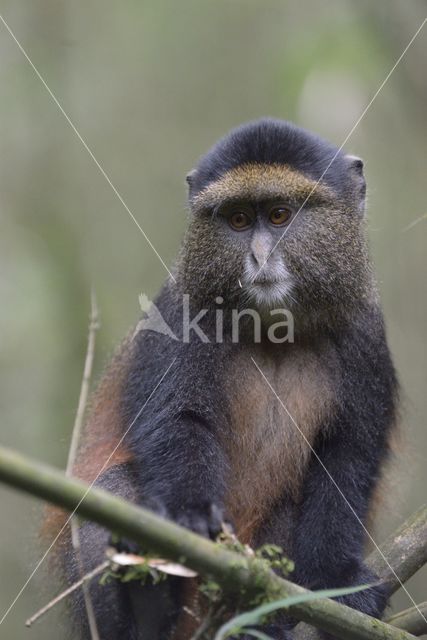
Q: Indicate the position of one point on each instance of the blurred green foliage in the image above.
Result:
(150, 85)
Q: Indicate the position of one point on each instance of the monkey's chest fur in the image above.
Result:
(276, 416)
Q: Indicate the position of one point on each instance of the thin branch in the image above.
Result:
(213, 616)
(410, 620)
(405, 550)
(80, 583)
(248, 577)
(75, 441)
(84, 389)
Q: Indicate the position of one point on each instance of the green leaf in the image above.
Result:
(236, 624)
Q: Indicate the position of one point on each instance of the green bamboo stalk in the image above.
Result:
(235, 573)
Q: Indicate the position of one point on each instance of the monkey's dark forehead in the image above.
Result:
(272, 142)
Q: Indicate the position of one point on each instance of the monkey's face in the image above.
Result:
(267, 236)
(255, 229)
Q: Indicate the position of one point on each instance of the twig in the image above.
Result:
(84, 389)
(204, 626)
(75, 440)
(212, 616)
(84, 580)
(410, 620)
(234, 572)
(405, 550)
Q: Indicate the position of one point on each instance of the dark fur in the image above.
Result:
(181, 444)
(269, 141)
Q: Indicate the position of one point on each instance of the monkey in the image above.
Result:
(283, 438)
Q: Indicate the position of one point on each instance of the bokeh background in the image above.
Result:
(150, 85)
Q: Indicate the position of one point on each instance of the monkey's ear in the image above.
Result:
(355, 165)
(190, 177)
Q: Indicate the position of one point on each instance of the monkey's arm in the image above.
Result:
(180, 471)
(330, 535)
(175, 444)
(330, 531)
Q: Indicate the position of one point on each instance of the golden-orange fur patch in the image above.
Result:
(99, 449)
(260, 181)
(268, 453)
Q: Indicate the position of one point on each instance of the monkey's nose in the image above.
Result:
(260, 249)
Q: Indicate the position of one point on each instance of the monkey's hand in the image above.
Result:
(208, 521)
(124, 545)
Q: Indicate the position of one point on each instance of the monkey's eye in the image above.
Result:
(280, 215)
(239, 220)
